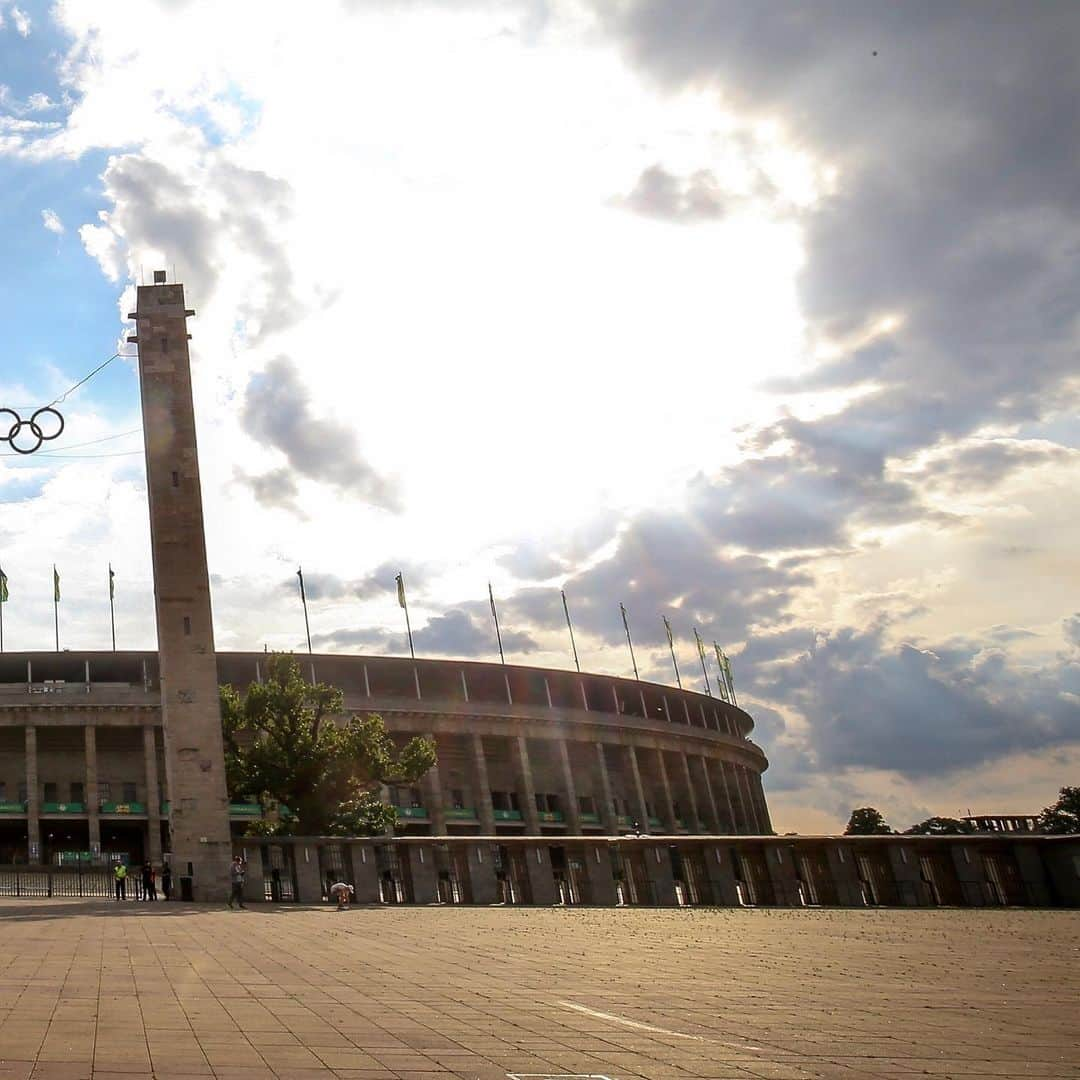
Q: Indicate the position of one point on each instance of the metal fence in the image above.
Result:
(56, 881)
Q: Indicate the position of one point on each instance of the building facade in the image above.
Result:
(521, 751)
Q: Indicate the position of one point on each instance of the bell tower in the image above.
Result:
(191, 716)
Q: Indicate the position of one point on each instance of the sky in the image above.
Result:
(759, 317)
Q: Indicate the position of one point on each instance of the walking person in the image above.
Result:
(120, 878)
(237, 872)
(166, 881)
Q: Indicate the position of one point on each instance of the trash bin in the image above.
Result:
(187, 891)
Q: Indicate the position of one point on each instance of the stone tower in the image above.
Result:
(191, 717)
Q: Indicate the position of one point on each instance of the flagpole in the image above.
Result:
(671, 646)
(495, 616)
(3, 588)
(303, 600)
(56, 605)
(569, 626)
(404, 603)
(626, 627)
(112, 609)
(721, 682)
(704, 669)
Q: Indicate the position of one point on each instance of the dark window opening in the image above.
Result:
(49, 789)
(130, 792)
(76, 791)
(175, 479)
(187, 626)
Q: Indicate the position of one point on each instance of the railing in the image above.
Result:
(624, 821)
(63, 808)
(56, 881)
(507, 815)
(123, 808)
(589, 819)
(459, 813)
(12, 808)
(412, 811)
(551, 816)
(245, 809)
(655, 823)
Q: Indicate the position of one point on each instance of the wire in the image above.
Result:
(84, 379)
(91, 442)
(77, 457)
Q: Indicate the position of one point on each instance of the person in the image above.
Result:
(343, 893)
(166, 880)
(149, 884)
(120, 877)
(236, 876)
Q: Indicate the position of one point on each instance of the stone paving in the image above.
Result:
(91, 989)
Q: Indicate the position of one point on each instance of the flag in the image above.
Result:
(112, 583)
(3, 588)
(56, 585)
(670, 637)
(491, 598)
(723, 678)
(400, 590)
(727, 672)
(300, 575)
(626, 625)
(700, 647)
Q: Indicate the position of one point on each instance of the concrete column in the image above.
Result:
(601, 879)
(714, 820)
(845, 874)
(484, 807)
(763, 806)
(93, 811)
(971, 872)
(33, 799)
(661, 875)
(153, 795)
(308, 878)
(573, 821)
(485, 886)
(780, 862)
(639, 790)
(748, 802)
(720, 872)
(739, 816)
(726, 805)
(425, 874)
(665, 792)
(532, 821)
(541, 878)
(694, 823)
(907, 873)
(365, 873)
(433, 793)
(607, 803)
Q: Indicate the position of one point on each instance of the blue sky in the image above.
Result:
(757, 318)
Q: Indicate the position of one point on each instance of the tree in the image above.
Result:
(941, 826)
(1064, 815)
(866, 821)
(290, 742)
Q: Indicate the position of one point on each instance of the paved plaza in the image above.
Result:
(95, 989)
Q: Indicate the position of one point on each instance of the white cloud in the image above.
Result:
(21, 21)
(51, 220)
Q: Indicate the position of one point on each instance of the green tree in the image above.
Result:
(941, 826)
(866, 821)
(289, 742)
(1064, 815)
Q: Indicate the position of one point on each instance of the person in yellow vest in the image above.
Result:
(120, 876)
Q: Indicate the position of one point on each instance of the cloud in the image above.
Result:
(51, 220)
(275, 488)
(21, 21)
(278, 413)
(661, 194)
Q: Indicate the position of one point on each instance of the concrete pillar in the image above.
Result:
(573, 821)
(365, 873)
(720, 871)
(907, 873)
(598, 872)
(971, 874)
(190, 711)
(481, 862)
(93, 809)
(433, 794)
(665, 793)
(308, 877)
(694, 822)
(639, 791)
(532, 820)
(845, 874)
(153, 795)
(425, 873)
(763, 806)
(661, 875)
(541, 878)
(33, 799)
(484, 807)
(710, 798)
(748, 802)
(740, 821)
(783, 872)
(607, 803)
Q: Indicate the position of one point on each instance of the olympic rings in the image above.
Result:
(35, 429)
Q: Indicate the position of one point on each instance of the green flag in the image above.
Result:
(112, 583)
(56, 585)
(3, 588)
(400, 590)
